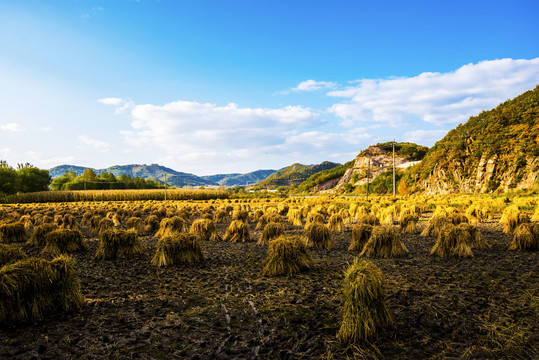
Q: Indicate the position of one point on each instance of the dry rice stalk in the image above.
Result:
(360, 235)
(385, 242)
(205, 230)
(64, 240)
(408, 223)
(513, 220)
(40, 231)
(287, 255)
(237, 231)
(452, 241)
(364, 311)
(178, 248)
(336, 223)
(267, 218)
(114, 244)
(370, 219)
(168, 226)
(295, 217)
(476, 240)
(526, 237)
(221, 216)
(271, 231)
(151, 224)
(136, 224)
(13, 232)
(10, 253)
(318, 236)
(34, 287)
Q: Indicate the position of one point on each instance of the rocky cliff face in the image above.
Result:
(380, 161)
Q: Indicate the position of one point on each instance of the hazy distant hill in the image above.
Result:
(496, 150)
(174, 178)
(293, 175)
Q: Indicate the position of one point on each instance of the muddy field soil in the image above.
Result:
(485, 307)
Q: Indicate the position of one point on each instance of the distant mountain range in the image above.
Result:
(173, 177)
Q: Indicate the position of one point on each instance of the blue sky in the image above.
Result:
(235, 86)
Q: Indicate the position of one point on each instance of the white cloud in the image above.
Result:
(14, 127)
(98, 144)
(5, 152)
(310, 86)
(120, 104)
(424, 137)
(437, 98)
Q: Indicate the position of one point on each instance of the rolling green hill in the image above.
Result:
(293, 175)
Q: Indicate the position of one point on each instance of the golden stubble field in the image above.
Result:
(480, 306)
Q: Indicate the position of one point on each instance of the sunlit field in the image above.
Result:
(273, 278)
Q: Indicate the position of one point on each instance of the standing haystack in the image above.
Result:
(10, 253)
(526, 237)
(370, 219)
(364, 311)
(267, 218)
(385, 242)
(452, 241)
(271, 231)
(115, 244)
(287, 255)
(69, 222)
(171, 225)
(477, 214)
(475, 240)
(177, 248)
(28, 223)
(64, 240)
(13, 232)
(205, 230)
(315, 217)
(104, 225)
(136, 224)
(360, 235)
(40, 231)
(336, 223)
(237, 231)
(295, 217)
(408, 223)
(438, 222)
(221, 216)
(318, 236)
(151, 224)
(512, 217)
(535, 216)
(387, 215)
(32, 288)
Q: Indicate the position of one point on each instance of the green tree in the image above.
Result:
(8, 177)
(30, 179)
(89, 175)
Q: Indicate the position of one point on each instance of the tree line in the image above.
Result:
(26, 178)
(89, 180)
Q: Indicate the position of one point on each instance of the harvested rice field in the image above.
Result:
(481, 307)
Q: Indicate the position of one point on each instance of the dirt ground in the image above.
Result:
(485, 307)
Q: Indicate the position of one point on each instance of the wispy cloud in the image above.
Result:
(121, 104)
(310, 86)
(436, 98)
(11, 127)
(98, 144)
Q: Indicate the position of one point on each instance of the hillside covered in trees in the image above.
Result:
(495, 151)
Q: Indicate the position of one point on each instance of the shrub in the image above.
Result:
(10, 253)
(205, 229)
(237, 231)
(364, 311)
(452, 241)
(385, 242)
(271, 231)
(32, 288)
(13, 232)
(63, 240)
(177, 248)
(318, 236)
(287, 255)
(360, 235)
(526, 237)
(114, 244)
